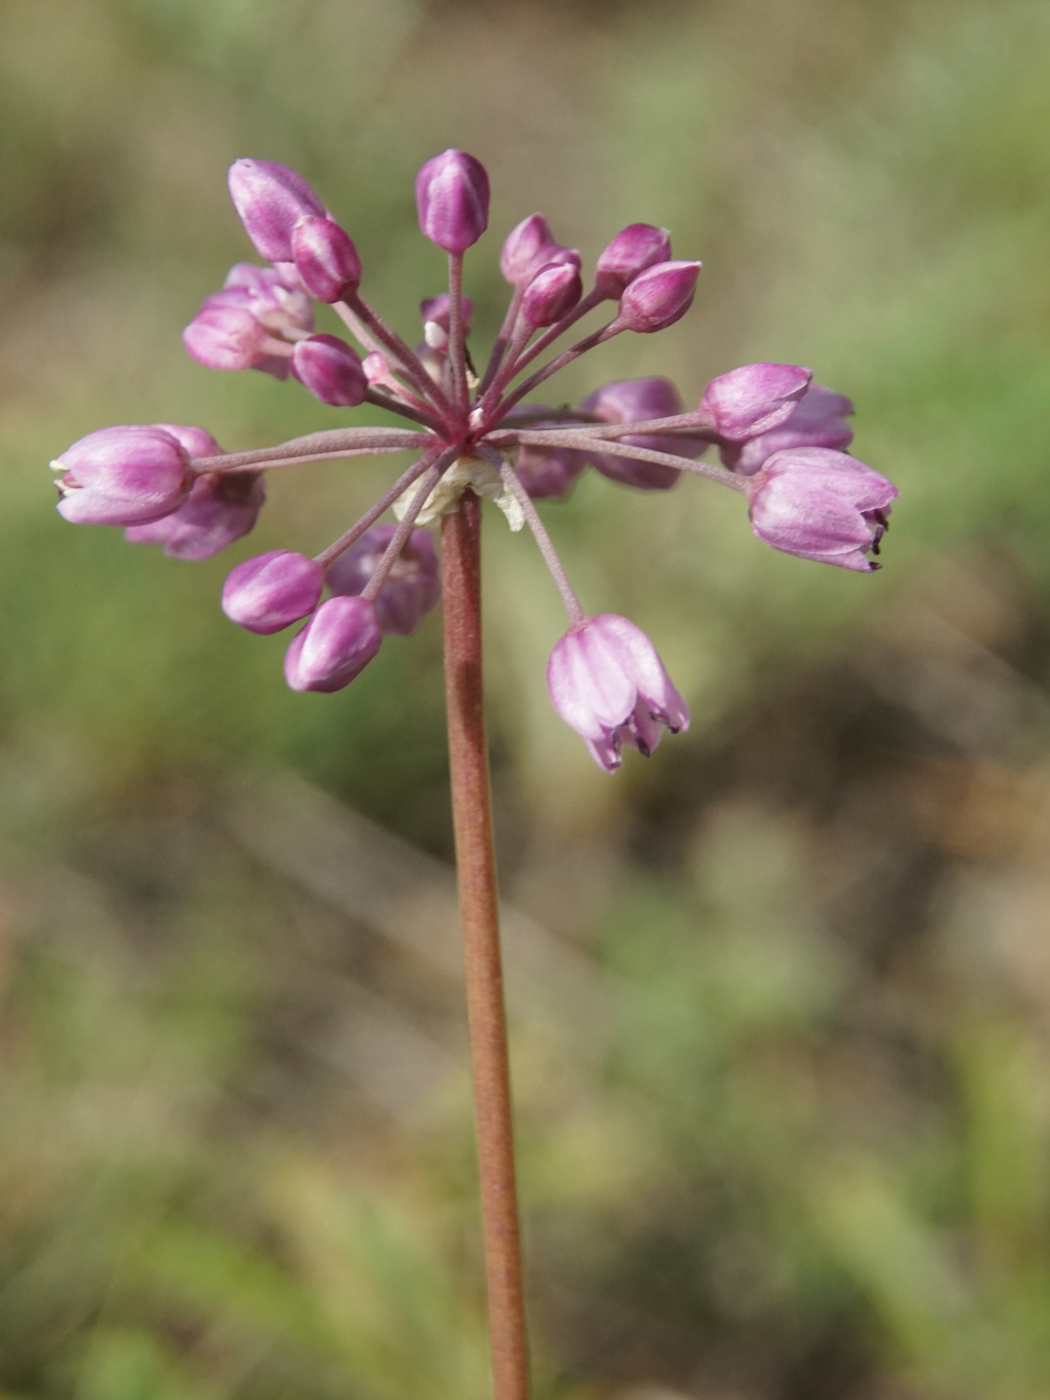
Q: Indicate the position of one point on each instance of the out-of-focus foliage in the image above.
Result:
(782, 996)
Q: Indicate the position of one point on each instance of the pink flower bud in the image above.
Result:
(412, 588)
(272, 590)
(335, 645)
(196, 441)
(452, 195)
(123, 476)
(435, 311)
(221, 508)
(753, 399)
(818, 420)
(548, 473)
(551, 294)
(330, 369)
(326, 258)
(554, 255)
(224, 334)
(634, 400)
(271, 199)
(634, 248)
(659, 296)
(607, 681)
(820, 505)
(274, 295)
(521, 246)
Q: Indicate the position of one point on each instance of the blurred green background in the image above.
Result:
(781, 996)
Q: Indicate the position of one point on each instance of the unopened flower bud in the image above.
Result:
(659, 296)
(634, 248)
(325, 258)
(753, 399)
(412, 587)
(818, 420)
(635, 400)
(551, 294)
(821, 505)
(272, 590)
(606, 679)
(331, 370)
(436, 310)
(554, 255)
(225, 334)
(521, 246)
(452, 195)
(271, 199)
(123, 476)
(548, 473)
(221, 508)
(335, 645)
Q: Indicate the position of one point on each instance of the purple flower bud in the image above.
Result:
(818, 420)
(607, 681)
(436, 311)
(224, 334)
(554, 255)
(221, 508)
(326, 258)
(271, 590)
(330, 369)
(452, 195)
(521, 246)
(335, 645)
(271, 199)
(634, 400)
(753, 399)
(551, 294)
(548, 473)
(659, 296)
(412, 588)
(123, 476)
(634, 248)
(821, 505)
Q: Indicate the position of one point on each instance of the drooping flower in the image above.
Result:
(821, 505)
(473, 429)
(607, 680)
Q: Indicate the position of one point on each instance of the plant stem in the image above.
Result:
(479, 909)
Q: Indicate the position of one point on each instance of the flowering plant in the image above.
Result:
(779, 438)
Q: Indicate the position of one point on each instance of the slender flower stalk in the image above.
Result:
(479, 906)
(780, 440)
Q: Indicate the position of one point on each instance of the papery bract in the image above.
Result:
(335, 645)
(273, 590)
(820, 505)
(606, 679)
(123, 476)
(412, 588)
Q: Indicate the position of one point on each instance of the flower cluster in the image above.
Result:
(780, 439)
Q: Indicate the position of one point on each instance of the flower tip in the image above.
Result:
(659, 296)
(452, 197)
(271, 199)
(334, 647)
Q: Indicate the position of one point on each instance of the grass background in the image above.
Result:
(780, 1018)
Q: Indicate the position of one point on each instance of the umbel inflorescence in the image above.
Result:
(780, 439)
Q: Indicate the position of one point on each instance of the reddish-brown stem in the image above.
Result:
(479, 908)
